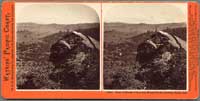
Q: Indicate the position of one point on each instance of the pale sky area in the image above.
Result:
(151, 13)
(65, 13)
(47, 13)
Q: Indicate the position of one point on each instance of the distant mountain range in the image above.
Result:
(120, 32)
(32, 32)
(113, 32)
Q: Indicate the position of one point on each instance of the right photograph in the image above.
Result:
(145, 46)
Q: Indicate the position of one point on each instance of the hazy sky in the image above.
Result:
(60, 13)
(145, 12)
(57, 13)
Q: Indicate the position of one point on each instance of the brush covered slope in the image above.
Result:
(123, 71)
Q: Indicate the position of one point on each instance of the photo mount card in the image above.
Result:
(100, 50)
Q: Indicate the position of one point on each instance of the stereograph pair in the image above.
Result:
(58, 46)
(102, 47)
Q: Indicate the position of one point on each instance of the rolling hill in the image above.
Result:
(120, 50)
(33, 49)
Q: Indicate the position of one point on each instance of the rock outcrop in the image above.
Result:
(162, 58)
(76, 61)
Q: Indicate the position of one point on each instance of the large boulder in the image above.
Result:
(76, 61)
(162, 60)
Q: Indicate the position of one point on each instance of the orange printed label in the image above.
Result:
(8, 74)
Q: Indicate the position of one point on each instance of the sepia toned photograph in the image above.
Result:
(145, 46)
(57, 46)
(110, 49)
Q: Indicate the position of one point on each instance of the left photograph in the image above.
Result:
(57, 46)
